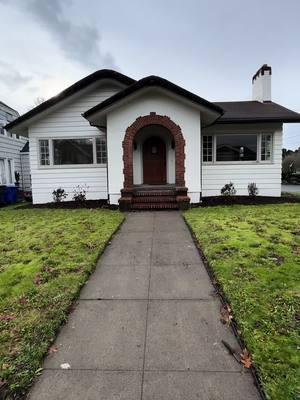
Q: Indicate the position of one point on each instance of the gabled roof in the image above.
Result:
(255, 111)
(148, 82)
(76, 87)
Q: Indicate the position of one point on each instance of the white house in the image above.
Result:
(151, 143)
(14, 152)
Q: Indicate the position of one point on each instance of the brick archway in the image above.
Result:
(132, 130)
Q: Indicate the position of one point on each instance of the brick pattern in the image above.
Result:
(131, 131)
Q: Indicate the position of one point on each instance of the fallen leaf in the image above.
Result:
(246, 359)
(7, 317)
(37, 280)
(65, 366)
(23, 300)
(52, 350)
(226, 316)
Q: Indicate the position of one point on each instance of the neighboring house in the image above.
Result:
(14, 152)
(151, 143)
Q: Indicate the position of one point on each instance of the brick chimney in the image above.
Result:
(261, 84)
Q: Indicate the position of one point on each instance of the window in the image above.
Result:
(44, 152)
(207, 148)
(236, 147)
(266, 147)
(73, 151)
(101, 150)
(11, 171)
(7, 171)
(2, 172)
(81, 151)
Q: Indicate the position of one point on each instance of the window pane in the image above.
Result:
(73, 151)
(207, 147)
(101, 150)
(44, 152)
(266, 146)
(2, 172)
(237, 148)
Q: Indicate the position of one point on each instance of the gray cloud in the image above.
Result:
(78, 42)
(12, 78)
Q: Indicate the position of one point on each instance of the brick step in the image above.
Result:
(154, 199)
(157, 206)
(149, 193)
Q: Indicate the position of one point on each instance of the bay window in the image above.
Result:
(247, 147)
(72, 151)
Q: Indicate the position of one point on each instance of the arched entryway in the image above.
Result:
(129, 144)
(154, 161)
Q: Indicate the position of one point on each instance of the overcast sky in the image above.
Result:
(211, 48)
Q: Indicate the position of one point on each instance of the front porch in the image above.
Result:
(153, 157)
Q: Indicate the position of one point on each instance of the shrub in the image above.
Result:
(252, 189)
(228, 189)
(59, 194)
(79, 193)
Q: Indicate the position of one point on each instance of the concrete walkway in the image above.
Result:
(147, 325)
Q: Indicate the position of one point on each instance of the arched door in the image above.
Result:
(154, 161)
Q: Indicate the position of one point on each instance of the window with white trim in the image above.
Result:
(7, 171)
(266, 147)
(72, 151)
(2, 172)
(246, 147)
(207, 148)
(101, 153)
(44, 152)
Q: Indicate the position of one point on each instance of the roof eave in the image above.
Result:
(71, 90)
(257, 120)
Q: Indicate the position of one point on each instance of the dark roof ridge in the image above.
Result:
(152, 81)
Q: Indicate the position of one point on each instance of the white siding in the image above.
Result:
(10, 148)
(67, 121)
(267, 176)
(187, 117)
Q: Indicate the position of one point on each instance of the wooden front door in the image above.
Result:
(154, 161)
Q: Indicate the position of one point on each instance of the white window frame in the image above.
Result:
(3, 182)
(68, 166)
(9, 169)
(249, 162)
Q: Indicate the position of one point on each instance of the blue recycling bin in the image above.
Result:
(10, 195)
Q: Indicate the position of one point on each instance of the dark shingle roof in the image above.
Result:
(255, 111)
(153, 81)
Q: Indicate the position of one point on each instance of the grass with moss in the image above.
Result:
(254, 252)
(45, 258)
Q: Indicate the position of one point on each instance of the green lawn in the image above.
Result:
(254, 252)
(45, 257)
